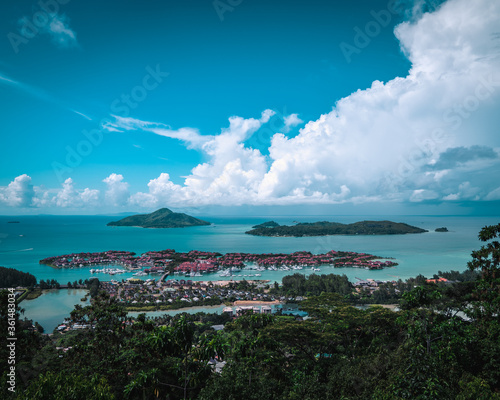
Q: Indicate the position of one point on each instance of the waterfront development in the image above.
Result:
(156, 297)
(24, 244)
(197, 262)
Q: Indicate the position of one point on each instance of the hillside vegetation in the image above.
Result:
(324, 228)
(162, 218)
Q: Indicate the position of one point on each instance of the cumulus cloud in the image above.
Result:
(494, 194)
(466, 191)
(22, 193)
(291, 121)
(117, 193)
(19, 192)
(69, 197)
(232, 174)
(429, 136)
(415, 138)
(162, 192)
(419, 195)
(381, 141)
(455, 156)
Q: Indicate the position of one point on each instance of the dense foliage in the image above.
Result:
(11, 278)
(313, 285)
(162, 218)
(268, 224)
(324, 228)
(442, 344)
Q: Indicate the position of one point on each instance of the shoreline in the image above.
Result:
(197, 262)
(36, 293)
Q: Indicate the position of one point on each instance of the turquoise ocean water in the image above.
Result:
(23, 244)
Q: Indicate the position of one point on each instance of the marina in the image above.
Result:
(47, 236)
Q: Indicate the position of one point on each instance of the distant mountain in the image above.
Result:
(162, 218)
(268, 224)
(324, 228)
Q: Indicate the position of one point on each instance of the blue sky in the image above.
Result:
(355, 106)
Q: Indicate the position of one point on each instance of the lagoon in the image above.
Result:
(53, 306)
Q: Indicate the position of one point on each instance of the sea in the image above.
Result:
(25, 240)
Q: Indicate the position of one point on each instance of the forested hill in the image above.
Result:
(10, 277)
(162, 218)
(324, 228)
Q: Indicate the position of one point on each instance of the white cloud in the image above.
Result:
(466, 191)
(190, 136)
(413, 138)
(69, 197)
(419, 195)
(494, 194)
(429, 136)
(162, 193)
(19, 192)
(117, 193)
(291, 121)
(377, 141)
(231, 176)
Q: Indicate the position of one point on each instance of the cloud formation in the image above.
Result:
(452, 157)
(430, 136)
(117, 193)
(60, 32)
(19, 192)
(291, 121)
(69, 197)
(56, 26)
(400, 140)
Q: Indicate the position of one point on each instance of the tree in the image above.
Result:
(180, 368)
(10, 277)
(68, 386)
(487, 261)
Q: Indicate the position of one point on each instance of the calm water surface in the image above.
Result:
(23, 244)
(53, 306)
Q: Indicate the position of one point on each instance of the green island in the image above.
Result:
(440, 342)
(268, 224)
(324, 228)
(162, 218)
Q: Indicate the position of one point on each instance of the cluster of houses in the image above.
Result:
(198, 262)
(150, 292)
(111, 257)
(368, 285)
(306, 259)
(241, 310)
(198, 267)
(362, 260)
